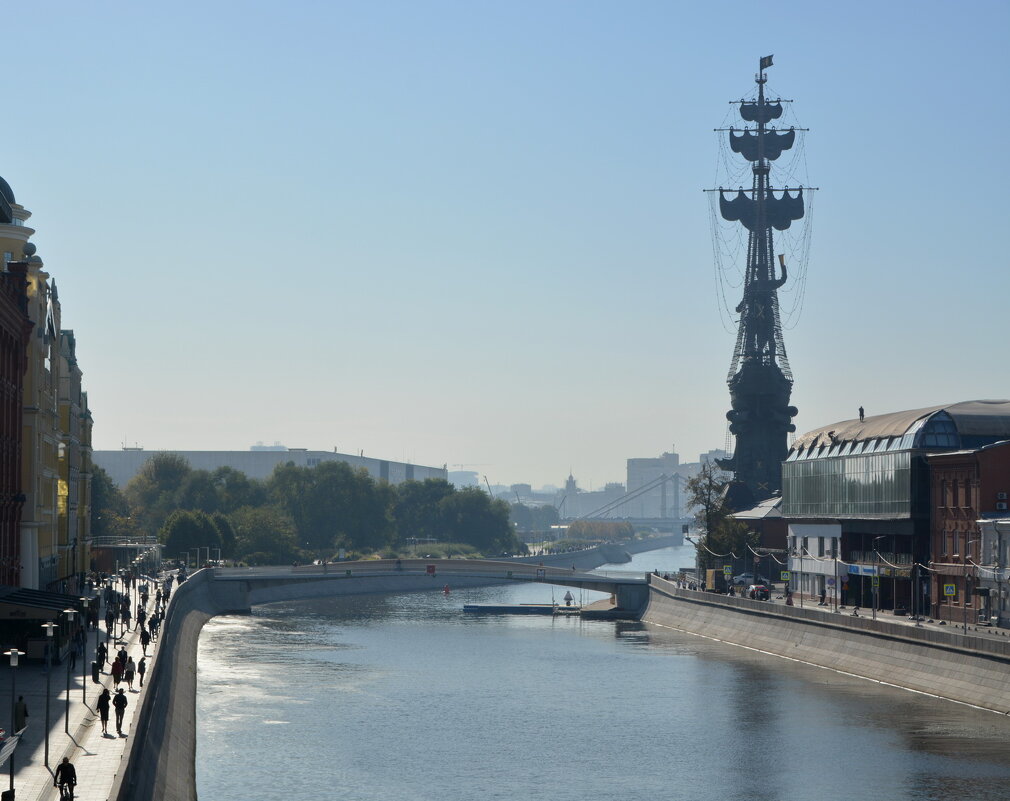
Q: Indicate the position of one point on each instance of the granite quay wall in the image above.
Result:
(161, 760)
(970, 669)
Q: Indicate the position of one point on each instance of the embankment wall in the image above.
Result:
(971, 669)
(161, 761)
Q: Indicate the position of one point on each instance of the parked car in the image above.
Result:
(759, 592)
(750, 578)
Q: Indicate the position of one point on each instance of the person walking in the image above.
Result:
(20, 714)
(102, 656)
(142, 669)
(119, 702)
(102, 705)
(117, 671)
(65, 778)
(145, 639)
(130, 672)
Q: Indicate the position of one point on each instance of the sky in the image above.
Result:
(474, 233)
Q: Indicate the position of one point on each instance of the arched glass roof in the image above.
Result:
(969, 424)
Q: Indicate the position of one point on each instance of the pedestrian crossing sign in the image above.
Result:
(949, 589)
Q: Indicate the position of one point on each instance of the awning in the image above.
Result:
(19, 603)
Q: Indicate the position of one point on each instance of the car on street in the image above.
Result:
(749, 578)
(759, 592)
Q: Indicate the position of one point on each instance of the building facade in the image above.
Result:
(967, 488)
(15, 329)
(55, 426)
(858, 491)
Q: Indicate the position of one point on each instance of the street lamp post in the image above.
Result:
(964, 601)
(85, 617)
(49, 665)
(876, 575)
(66, 718)
(13, 653)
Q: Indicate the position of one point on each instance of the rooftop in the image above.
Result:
(964, 425)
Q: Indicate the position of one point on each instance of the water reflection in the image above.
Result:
(404, 696)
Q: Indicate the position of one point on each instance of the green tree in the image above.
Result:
(108, 505)
(264, 535)
(235, 489)
(471, 516)
(417, 511)
(720, 534)
(226, 533)
(153, 492)
(198, 491)
(186, 530)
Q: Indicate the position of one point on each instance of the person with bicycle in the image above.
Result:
(65, 778)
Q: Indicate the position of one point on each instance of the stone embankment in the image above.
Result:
(970, 669)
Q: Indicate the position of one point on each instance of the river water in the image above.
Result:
(405, 698)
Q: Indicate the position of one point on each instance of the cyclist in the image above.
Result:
(65, 778)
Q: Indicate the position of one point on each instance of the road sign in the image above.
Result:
(785, 575)
(874, 581)
(949, 589)
(727, 570)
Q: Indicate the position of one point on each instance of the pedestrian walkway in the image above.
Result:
(96, 757)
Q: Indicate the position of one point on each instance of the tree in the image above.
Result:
(265, 536)
(153, 492)
(235, 489)
(226, 533)
(186, 531)
(417, 513)
(720, 534)
(108, 505)
(471, 516)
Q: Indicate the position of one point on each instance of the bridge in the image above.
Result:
(246, 587)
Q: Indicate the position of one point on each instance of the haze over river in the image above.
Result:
(405, 698)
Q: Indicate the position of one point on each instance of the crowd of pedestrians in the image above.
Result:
(120, 616)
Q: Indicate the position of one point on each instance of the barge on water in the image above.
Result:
(520, 609)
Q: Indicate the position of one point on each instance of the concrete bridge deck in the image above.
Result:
(247, 587)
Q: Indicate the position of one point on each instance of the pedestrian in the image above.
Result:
(157, 597)
(119, 702)
(122, 655)
(117, 671)
(824, 597)
(126, 618)
(20, 714)
(145, 640)
(129, 672)
(102, 655)
(102, 705)
(142, 669)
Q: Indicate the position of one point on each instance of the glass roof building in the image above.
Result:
(856, 497)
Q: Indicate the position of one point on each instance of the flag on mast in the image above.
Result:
(766, 62)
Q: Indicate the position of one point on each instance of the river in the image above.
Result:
(405, 698)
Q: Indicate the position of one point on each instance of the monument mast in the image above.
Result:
(760, 381)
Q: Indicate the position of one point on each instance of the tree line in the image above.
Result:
(298, 513)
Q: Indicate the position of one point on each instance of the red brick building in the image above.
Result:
(15, 328)
(965, 486)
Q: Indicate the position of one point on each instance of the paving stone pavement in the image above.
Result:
(96, 757)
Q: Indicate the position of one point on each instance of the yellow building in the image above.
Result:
(56, 426)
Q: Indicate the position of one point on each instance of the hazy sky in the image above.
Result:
(473, 233)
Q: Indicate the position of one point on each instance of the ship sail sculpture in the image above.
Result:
(760, 381)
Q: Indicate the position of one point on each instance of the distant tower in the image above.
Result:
(760, 381)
